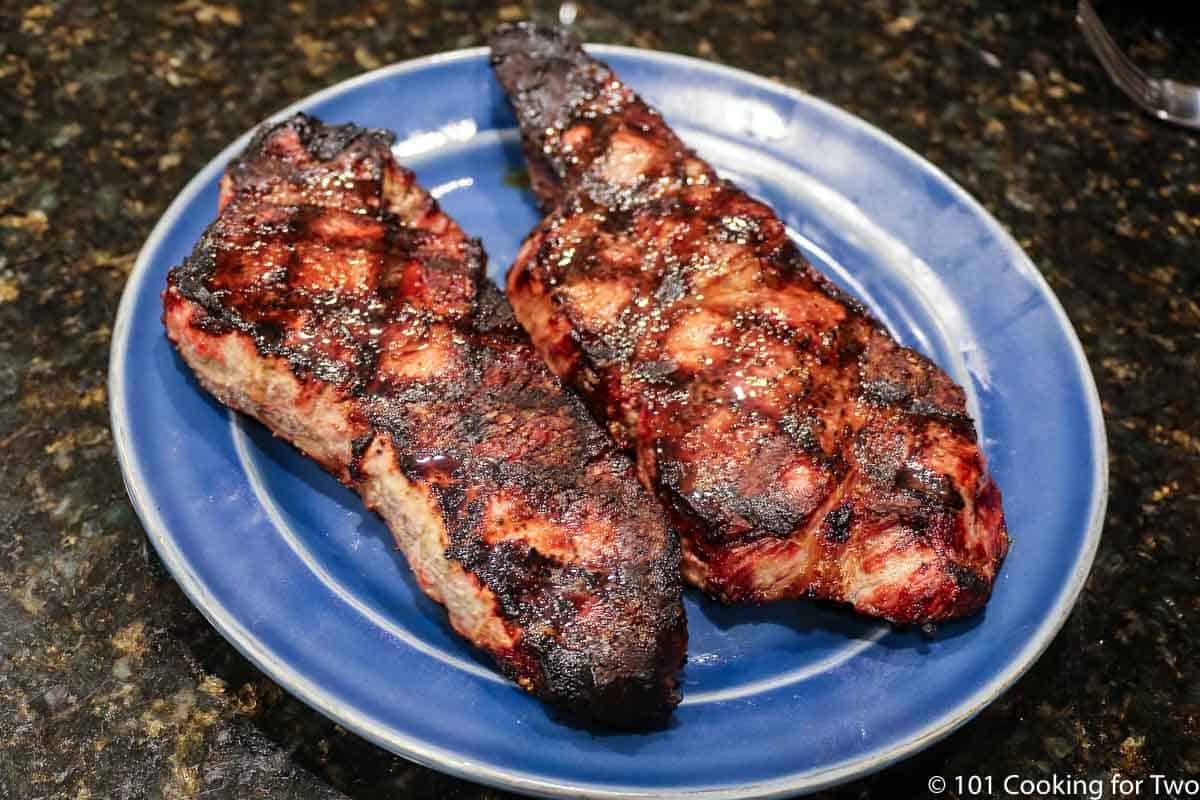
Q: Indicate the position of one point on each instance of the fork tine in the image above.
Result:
(1165, 99)
(1114, 59)
(1100, 38)
(1127, 77)
(1119, 67)
(1136, 86)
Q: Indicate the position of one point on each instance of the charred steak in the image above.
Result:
(332, 300)
(799, 448)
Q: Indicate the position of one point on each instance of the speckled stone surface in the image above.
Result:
(113, 686)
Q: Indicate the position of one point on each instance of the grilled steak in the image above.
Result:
(333, 300)
(800, 449)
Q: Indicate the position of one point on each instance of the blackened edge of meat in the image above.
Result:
(550, 73)
(545, 67)
(323, 141)
(494, 314)
(579, 682)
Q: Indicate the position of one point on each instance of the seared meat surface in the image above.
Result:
(335, 302)
(799, 448)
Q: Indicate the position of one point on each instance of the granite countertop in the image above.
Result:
(113, 686)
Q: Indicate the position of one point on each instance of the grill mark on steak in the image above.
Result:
(334, 301)
(801, 451)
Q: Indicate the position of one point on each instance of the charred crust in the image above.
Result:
(674, 296)
(494, 315)
(932, 488)
(957, 421)
(886, 393)
(546, 70)
(800, 429)
(475, 420)
(358, 451)
(322, 141)
(540, 595)
(543, 179)
(836, 526)
(657, 372)
(671, 288)
(968, 580)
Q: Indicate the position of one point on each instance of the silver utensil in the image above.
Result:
(1166, 99)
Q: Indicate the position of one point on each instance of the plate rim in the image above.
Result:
(438, 758)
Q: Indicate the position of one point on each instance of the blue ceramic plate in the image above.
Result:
(778, 700)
